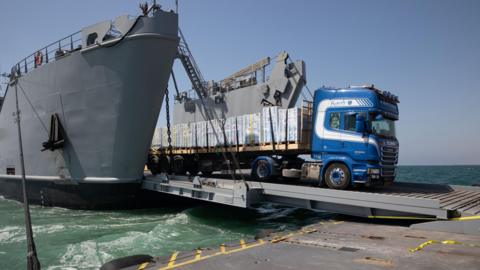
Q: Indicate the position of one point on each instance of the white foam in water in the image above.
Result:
(85, 255)
(181, 218)
(48, 229)
(11, 234)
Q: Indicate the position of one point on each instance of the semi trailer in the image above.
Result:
(342, 138)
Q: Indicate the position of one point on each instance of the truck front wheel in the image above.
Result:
(337, 176)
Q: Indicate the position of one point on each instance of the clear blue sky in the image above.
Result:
(427, 52)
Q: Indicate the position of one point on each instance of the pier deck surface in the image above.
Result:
(335, 245)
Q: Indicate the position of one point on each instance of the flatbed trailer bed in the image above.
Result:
(445, 207)
(290, 148)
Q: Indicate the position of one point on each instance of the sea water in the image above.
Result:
(73, 239)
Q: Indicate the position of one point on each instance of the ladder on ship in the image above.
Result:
(191, 67)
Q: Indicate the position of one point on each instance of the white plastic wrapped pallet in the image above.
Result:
(282, 125)
(202, 133)
(240, 130)
(231, 130)
(294, 125)
(157, 138)
(272, 112)
(252, 128)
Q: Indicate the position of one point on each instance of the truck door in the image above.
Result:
(354, 143)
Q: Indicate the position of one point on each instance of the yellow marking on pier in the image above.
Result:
(198, 254)
(172, 264)
(172, 260)
(242, 243)
(281, 238)
(143, 266)
(444, 242)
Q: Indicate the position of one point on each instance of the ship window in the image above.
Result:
(10, 170)
(92, 38)
(335, 120)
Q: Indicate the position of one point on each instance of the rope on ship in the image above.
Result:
(113, 44)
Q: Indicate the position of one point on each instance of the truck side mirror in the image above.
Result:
(360, 124)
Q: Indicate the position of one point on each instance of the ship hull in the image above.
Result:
(108, 99)
(89, 196)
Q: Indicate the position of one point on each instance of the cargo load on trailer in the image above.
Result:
(290, 126)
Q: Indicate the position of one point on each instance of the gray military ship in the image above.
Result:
(89, 105)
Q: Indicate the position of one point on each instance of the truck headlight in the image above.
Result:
(373, 171)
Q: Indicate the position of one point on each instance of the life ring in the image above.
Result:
(38, 58)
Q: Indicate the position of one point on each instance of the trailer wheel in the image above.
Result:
(261, 170)
(163, 164)
(191, 166)
(337, 176)
(192, 170)
(178, 165)
(153, 164)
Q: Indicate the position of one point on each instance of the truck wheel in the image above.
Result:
(178, 165)
(207, 173)
(337, 176)
(261, 170)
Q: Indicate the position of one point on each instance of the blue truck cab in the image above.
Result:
(353, 136)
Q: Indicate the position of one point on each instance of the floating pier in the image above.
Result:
(331, 245)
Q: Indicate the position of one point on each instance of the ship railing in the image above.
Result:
(51, 52)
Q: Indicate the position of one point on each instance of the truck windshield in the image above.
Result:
(383, 126)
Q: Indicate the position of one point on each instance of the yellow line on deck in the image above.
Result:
(172, 264)
(444, 242)
(402, 217)
(173, 258)
(466, 218)
(426, 218)
(143, 266)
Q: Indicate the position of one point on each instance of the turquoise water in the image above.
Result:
(68, 239)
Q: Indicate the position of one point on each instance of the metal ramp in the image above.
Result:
(401, 200)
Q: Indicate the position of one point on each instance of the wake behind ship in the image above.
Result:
(89, 105)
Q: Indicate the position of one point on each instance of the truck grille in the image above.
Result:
(389, 160)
